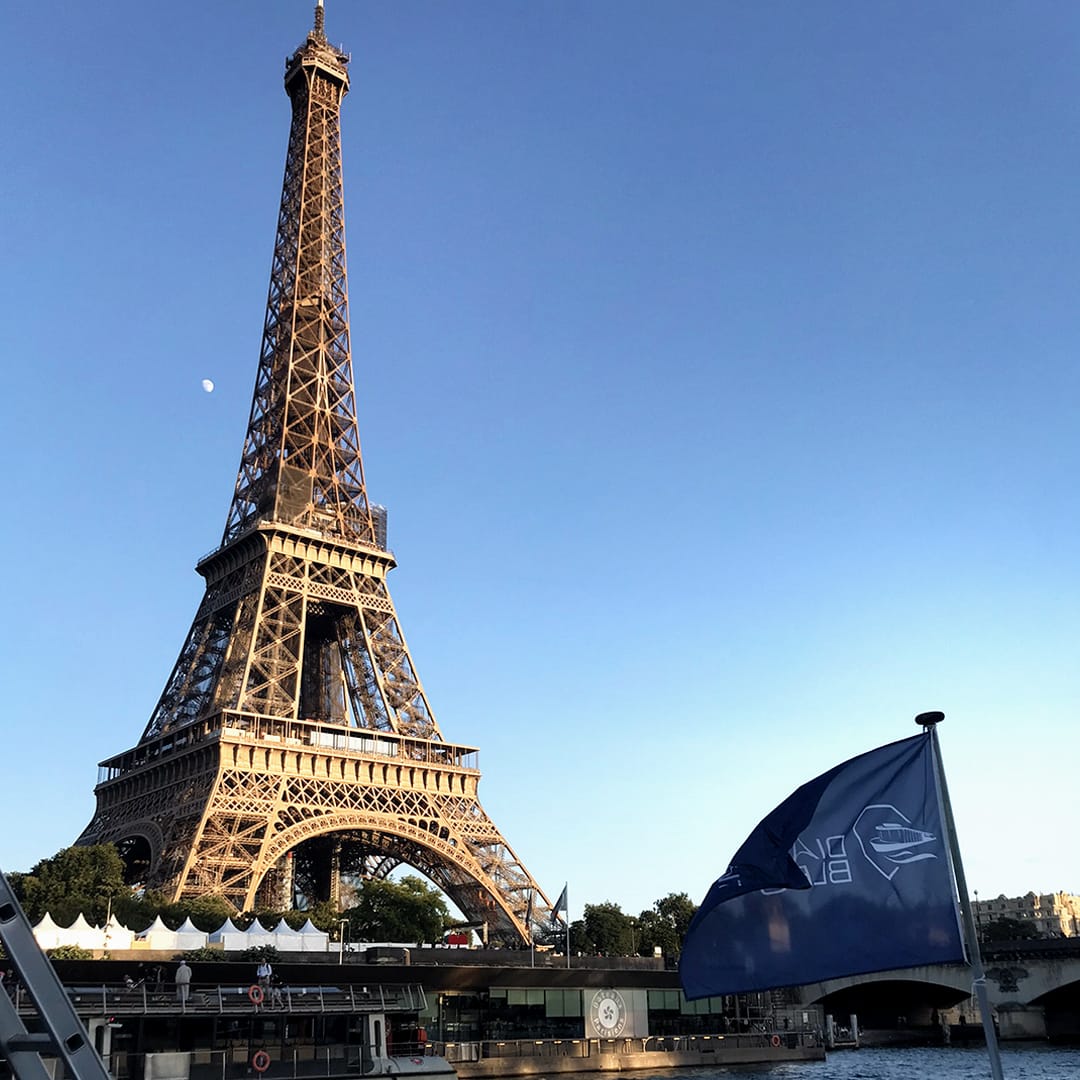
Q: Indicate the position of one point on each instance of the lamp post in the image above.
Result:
(343, 925)
(108, 919)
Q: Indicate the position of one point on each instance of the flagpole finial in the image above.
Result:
(929, 719)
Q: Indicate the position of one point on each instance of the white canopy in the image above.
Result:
(257, 935)
(189, 936)
(229, 937)
(307, 939)
(47, 933)
(314, 939)
(287, 939)
(83, 935)
(117, 936)
(158, 936)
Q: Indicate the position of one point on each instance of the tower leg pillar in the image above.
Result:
(335, 874)
(287, 883)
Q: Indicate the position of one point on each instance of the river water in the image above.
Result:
(913, 1063)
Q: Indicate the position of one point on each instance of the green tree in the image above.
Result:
(1007, 930)
(665, 924)
(324, 916)
(580, 942)
(136, 912)
(206, 912)
(409, 910)
(610, 929)
(74, 880)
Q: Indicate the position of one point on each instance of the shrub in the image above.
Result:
(69, 952)
(258, 953)
(203, 952)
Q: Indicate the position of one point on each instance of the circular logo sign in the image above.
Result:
(608, 1013)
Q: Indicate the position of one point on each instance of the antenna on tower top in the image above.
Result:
(319, 16)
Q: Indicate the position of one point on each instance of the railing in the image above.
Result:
(310, 532)
(463, 1051)
(455, 1052)
(309, 734)
(362, 742)
(308, 1060)
(216, 999)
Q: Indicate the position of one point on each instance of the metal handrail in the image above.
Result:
(216, 998)
(364, 743)
(476, 1049)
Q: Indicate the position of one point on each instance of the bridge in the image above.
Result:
(1033, 987)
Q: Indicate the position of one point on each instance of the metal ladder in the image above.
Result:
(64, 1036)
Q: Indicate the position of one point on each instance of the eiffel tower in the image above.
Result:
(293, 742)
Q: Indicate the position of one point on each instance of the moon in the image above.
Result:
(208, 385)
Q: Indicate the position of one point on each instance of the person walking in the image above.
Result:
(183, 982)
(263, 974)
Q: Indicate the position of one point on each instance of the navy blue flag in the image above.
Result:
(850, 874)
(560, 904)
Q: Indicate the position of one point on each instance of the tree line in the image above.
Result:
(606, 930)
(90, 881)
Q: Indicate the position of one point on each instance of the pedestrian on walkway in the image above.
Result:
(183, 982)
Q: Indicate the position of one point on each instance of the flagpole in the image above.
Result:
(566, 893)
(928, 721)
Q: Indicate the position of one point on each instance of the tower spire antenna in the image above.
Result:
(320, 16)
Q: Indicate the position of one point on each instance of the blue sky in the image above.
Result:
(717, 363)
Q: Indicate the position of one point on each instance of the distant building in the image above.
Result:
(1051, 914)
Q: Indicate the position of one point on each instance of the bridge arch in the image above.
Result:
(1034, 991)
(941, 980)
(890, 1004)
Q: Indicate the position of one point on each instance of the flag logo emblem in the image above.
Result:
(889, 840)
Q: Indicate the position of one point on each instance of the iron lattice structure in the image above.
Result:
(294, 717)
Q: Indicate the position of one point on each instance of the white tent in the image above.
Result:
(257, 935)
(314, 939)
(83, 935)
(117, 936)
(47, 934)
(158, 936)
(189, 936)
(287, 939)
(229, 937)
